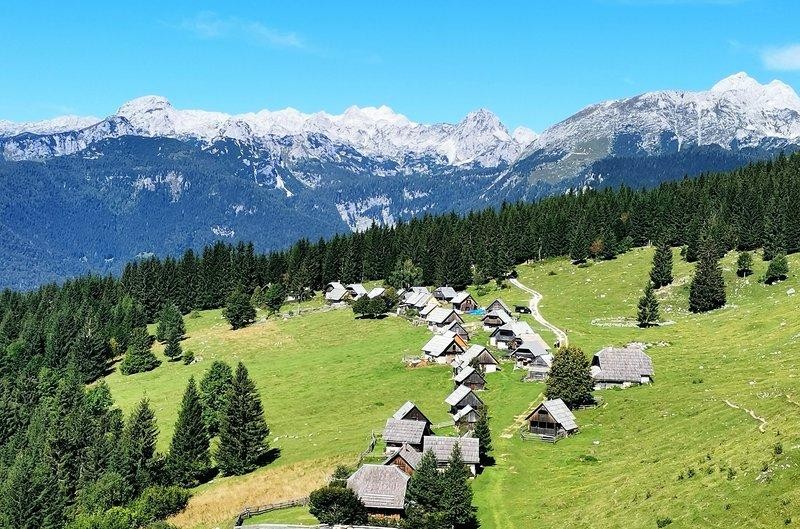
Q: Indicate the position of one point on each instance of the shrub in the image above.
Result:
(778, 269)
(157, 503)
(778, 449)
(663, 522)
(188, 357)
(337, 505)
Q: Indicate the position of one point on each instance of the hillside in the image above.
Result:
(675, 449)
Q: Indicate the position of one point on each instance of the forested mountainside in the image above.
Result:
(152, 179)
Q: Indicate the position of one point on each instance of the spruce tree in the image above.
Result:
(484, 436)
(243, 431)
(170, 323)
(457, 494)
(774, 227)
(274, 297)
(648, 307)
(744, 264)
(139, 356)
(238, 310)
(173, 349)
(579, 243)
(214, 387)
(138, 448)
(425, 488)
(188, 461)
(707, 290)
(661, 273)
(778, 269)
(570, 377)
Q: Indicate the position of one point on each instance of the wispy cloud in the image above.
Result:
(210, 25)
(783, 58)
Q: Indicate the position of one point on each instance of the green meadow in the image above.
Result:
(685, 449)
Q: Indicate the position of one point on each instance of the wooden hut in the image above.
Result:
(464, 302)
(465, 419)
(551, 420)
(399, 432)
(495, 318)
(498, 305)
(470, 377)
(443, 349)
(440, 318)
(459, 330)
(381, 488)
(621, 367)
(406, 459)
(462, 397)
(442, 448)
(410, 411)
(444, 293)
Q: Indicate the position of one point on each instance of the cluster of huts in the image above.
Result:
(338, 293)
(408, 434)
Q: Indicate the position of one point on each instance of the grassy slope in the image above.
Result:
(328, 379)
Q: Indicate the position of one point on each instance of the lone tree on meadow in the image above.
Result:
(173, 349)
(570, 377)
(139, 356)
(242, 431)
(239, 311)
(707, 291)
(661, 273)
(778, 269)
(648, 307)
(744, 264)
(170, 323)
(189, 460)
(337, 506)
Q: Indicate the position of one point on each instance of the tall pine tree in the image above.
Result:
(457, 494)
(188, 460)
(648, 307)
(661, 273)
(707, 290)
(243, 431)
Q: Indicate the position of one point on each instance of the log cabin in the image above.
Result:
(621, 368)
(381, 488)
(442, 448)
(399, 432)
(470, 377)
(464, 302)
(406, 459)
(443, 349)
(462, 397)
(551, 420)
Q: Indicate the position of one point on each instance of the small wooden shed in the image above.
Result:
(551, 420)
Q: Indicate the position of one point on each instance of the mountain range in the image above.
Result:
(86, 194)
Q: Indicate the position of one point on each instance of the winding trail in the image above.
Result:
(536, 297)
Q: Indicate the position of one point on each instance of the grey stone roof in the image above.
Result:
(380, 486)
(399, 431)
(442, 447)
(411, 456)
(558, 411)
(622, 365)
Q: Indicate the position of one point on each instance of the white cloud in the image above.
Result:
(782, 58)
(209, 25)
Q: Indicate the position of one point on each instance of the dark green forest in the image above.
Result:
(68, 457)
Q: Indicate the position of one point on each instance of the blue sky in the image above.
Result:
(533, 63)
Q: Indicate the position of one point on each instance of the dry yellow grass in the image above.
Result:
(224, 499)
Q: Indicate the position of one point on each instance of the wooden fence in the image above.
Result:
(249, 512)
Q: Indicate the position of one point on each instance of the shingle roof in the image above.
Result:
(463, 412)
(504, 316)
(500, 302)
(403, 431)
(622, 365)
(417, 299)
(460, 297)
(411, 456)
(465, 373)
(442, 447)
(447, 292)
(529, 348)
(438, 315)
(517, 328)
(558, 411)
(458, 395)
(375, 292)
(438, 344)
(380, 486)
(337, 294)
(358, 288)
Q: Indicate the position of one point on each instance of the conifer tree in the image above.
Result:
(570, 377)
(457, 494)
(744, 264)
(172, 349)
(139, 356)
(138, 448)
(707, 290)
(661, 273)
(425, 488)
(648, 307)
(243, 431)
(214, 387)
(170, 323)
(579, 243)
(188, 460)
(274, 297)
(484, 436)
(238, 310)
(774, 225)
(778, 269)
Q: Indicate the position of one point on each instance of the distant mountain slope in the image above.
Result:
(84, 194)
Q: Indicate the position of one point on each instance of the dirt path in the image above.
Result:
(536, 297)
(762, 427)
